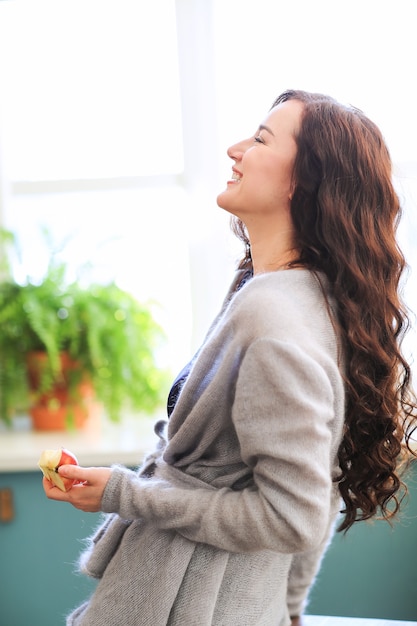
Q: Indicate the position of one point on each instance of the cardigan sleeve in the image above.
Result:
(304, 567)
(282, 411)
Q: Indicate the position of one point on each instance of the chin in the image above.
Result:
(224, 203)
(220, 198)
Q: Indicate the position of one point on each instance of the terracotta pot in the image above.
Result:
(61, 408)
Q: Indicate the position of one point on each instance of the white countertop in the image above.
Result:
(103, 444)
(100, 445)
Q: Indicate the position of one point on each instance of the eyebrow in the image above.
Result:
(263, 127)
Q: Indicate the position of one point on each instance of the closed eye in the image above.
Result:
(259, 139)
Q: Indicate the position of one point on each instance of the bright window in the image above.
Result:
(92, 89)
(92, 146)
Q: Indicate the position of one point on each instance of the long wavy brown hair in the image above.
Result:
(346, 212)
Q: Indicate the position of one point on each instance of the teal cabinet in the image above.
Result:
(372, 570)
(38, 553)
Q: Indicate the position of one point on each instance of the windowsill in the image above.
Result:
(102, 444)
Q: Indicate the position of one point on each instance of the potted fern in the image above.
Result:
(66, 348)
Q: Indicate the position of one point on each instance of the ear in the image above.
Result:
(292, 189)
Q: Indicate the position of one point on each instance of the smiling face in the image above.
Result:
(261, 185)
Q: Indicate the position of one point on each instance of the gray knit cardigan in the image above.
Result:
(226, 522)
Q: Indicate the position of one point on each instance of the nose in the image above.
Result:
(237, 151)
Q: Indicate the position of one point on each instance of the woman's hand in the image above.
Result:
(87, 493)
(296, 621)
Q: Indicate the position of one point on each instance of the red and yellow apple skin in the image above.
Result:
(51, 460)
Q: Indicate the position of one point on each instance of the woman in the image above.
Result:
(298, 399)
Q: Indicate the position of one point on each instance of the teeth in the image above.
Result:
(236, 176)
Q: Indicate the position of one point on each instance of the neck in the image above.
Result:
(272, 251)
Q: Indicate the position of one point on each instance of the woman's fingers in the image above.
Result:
(85, 486)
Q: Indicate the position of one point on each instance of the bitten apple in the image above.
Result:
(49, 462)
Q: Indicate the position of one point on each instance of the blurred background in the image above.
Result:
(115, 118)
